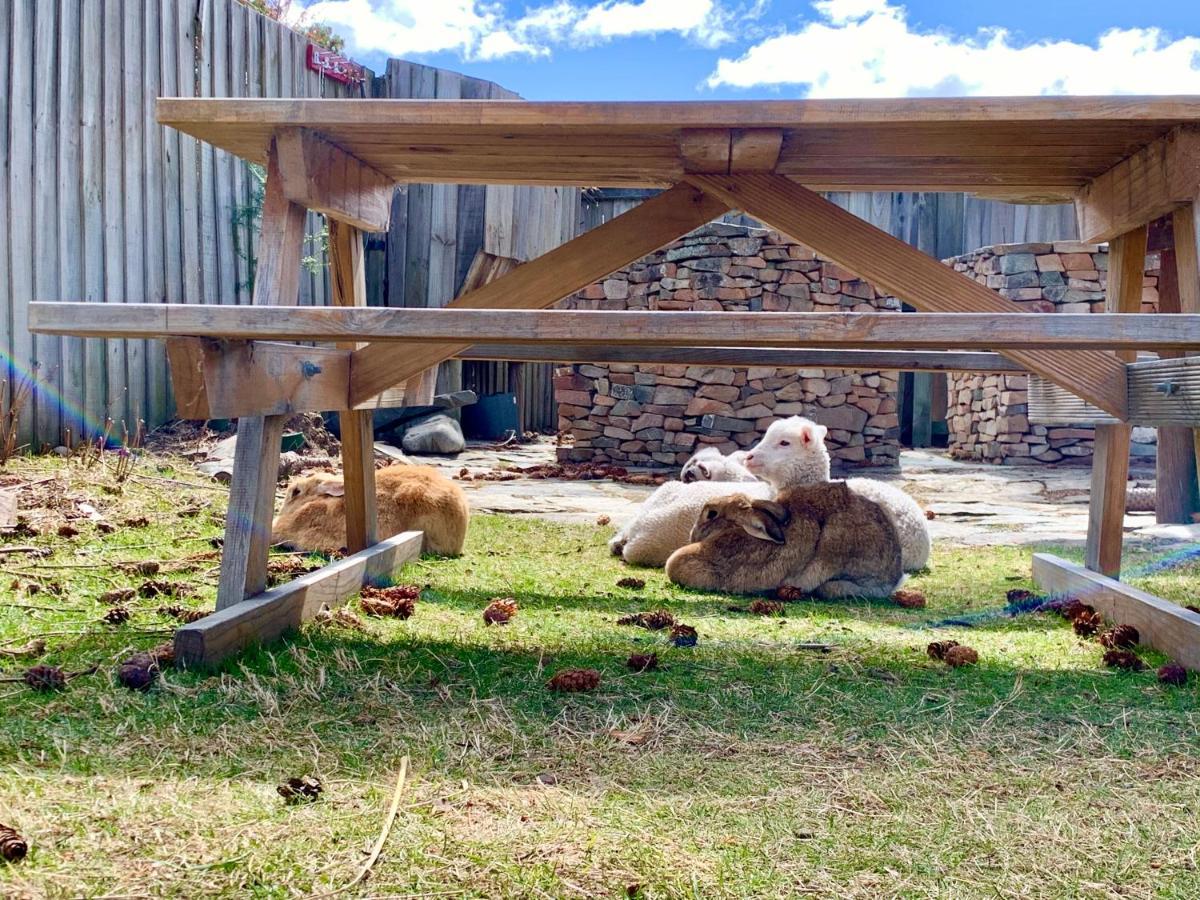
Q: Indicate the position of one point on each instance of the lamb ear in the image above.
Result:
(764, 527)
(777, 511)
(703, 470)
(332, 488)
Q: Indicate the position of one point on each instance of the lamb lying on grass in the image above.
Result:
(791, 453)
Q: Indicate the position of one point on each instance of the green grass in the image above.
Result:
(744, 767)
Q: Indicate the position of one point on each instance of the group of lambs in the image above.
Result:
(752, 521)
(761, 519)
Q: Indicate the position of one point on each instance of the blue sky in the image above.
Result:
(744, 49)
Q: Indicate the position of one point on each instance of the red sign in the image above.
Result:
(334, 65)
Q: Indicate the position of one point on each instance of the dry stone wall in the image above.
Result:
(987, 415)
(658, 415)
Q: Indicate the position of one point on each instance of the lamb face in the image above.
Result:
(792, 452)
(709, 464)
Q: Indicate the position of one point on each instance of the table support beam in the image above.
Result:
(320, 176)
(1110, 459)
(1153, 182)
(544, 281)
(902, 270)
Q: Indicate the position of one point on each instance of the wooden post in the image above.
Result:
(348, 279)
(1176, 497)
(256, 459)
(1186, 228)
(1110, 462)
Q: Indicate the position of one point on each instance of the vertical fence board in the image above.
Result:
(95, 351)
(20, 189)
(70, 214)
(47, 348)
(6, 297)
(157, 399)
(133, 129)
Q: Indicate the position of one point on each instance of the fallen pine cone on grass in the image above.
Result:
(398, 601)
(635, 584)
(117, 615)
(766, 608)
(67, 531)
(571, 681)
(1087, 622)
(684, 636)
(117, 596)
(960, 656)
(1020, 595)
(654, 621)
(603, 520)
(788, 594)
(164, 655)
(909, 599)
(340, 616)
(1172, 674)
(930, 514)
(45, 678)
(1121, 637)
(182, 613)
(1123, 659)
(13, 847)
(135, 522)
(300, 790)
(139, 672)
(500, 611)
(938, 649)
(146, 567)
(642, 662)
(156, 587)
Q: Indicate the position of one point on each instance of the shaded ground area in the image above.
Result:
(747, 766)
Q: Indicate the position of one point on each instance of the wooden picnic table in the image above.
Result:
(1123, 161)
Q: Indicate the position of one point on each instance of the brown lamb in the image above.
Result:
(819, 538)
(407, 498)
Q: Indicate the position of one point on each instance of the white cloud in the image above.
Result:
(867, 48)
(476, 29)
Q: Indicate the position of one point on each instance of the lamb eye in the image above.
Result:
(785, 443)
(711, 514)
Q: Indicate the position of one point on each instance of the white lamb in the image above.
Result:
(709, 464)
(793, 452)
(664, 521)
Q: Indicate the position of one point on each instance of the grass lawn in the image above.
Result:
(743, 767)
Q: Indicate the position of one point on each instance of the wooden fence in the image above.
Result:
(99, 203)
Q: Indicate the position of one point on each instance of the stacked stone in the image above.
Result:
(987, 415)
(658, 415)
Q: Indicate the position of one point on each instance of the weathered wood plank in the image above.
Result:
(549, 278)
(465, 326)
(277, 275)
(904, 271)
(1110, 459)
(273, 613)
(348, 281)
(1153, 182)
(320, 176)
(1161, 624)
(1176, 499)
(251, 505)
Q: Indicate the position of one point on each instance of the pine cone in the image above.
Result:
(960, 656)
(182, 613)
(1087, 623)
(1020, 595)
(159, 588)
(1123, 659)
(654, 621)
(500, 611)
(135, 522)
(164, 655)
(788, 594)
(398, 601)
(147, 567)
(684, 636)
(909, 599)
(12, 846)
(642, 662)
(930, 514)
(635, 584)
(1122, 637)
(342, 617)
(45, 678)
(67, 531)
(139, 672)
(117, 596)
(574, 680)
(1173, 674)
(766, 608)
(117, 615)
(299, 790)
(1070, 608)
(938, 649)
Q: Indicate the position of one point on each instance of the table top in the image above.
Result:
(1028, 149)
